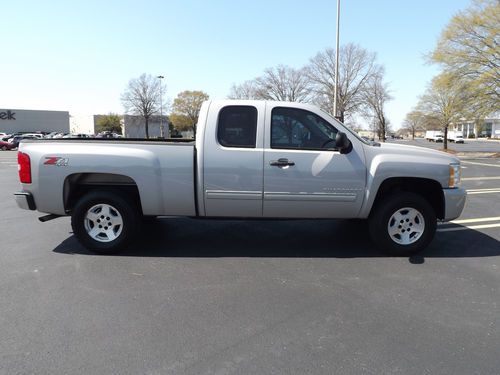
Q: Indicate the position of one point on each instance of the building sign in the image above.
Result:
(7, 115)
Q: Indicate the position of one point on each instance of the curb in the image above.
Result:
(477, 155)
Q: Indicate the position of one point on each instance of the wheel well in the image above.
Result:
(429, 189)
(79, 184)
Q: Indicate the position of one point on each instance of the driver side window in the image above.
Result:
(293, 128)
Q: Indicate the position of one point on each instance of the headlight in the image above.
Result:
(455, 175)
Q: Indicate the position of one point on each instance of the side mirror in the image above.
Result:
(343, 143)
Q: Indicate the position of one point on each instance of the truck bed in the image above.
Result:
(162, 170)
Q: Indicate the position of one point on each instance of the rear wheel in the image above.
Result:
(4, 148)
(104, 221)
(402, 224)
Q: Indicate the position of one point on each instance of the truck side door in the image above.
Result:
(305, 176)
(233, 158)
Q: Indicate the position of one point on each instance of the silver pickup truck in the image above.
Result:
(251, 159)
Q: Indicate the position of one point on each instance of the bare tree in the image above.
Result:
(281, 83)
(246, 90)
(356, 67)
(374, 97)
(142, 97)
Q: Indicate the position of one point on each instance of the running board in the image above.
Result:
(45, 218)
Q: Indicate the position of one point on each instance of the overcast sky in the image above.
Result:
(78, 56)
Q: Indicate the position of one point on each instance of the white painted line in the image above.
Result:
(483, 192)
(477, 220)
(484, 189)
(484, 164)
(482, 226)
(481, 178)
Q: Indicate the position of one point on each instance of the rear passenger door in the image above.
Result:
(233, 159)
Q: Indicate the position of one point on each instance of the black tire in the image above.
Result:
(125, 215)
(4, 148)
(390, 235)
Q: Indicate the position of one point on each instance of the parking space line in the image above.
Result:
(483, 164)
(476, 220)
(481, 178)
(482, 226)
(483, 191)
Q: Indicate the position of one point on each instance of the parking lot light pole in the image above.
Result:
(161, 107)
(335, 89)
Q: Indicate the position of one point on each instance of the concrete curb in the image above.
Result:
(477, 155)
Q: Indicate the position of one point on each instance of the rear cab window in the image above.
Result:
(237, 126)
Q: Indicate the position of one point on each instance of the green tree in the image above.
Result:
(110, 122)
(444, 101)
(414, 121)
(186, 109)
(469, 50)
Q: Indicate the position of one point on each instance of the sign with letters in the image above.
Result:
(7, 115)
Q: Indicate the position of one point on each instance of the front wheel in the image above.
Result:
(104, 222)
(402, 224)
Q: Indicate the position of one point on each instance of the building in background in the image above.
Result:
(81, 123)
(487, 128)
(134, 127)
(33, 121)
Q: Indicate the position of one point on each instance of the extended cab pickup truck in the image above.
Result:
(251, 159)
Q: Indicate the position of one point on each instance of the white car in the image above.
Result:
(35, 135)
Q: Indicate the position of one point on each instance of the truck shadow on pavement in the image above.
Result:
(286, 239)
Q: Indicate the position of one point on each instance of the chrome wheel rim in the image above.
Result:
(406, 226)
(103, 223)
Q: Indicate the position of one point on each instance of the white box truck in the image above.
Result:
(434, 135)
(456, 136)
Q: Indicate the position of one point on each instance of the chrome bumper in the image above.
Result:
(25, 201)
(454, 202)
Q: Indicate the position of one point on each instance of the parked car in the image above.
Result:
(4, 146)
(18, 138)
(34, 135)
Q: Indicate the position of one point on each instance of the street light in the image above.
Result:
(161, 107)
(336, 64)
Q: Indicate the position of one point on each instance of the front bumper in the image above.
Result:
(454, 202)
(25, 201)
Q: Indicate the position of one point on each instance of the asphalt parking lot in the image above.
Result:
(248, 297)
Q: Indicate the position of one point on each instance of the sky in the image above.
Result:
(79, 56)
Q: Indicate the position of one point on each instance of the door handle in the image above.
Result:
(283, 162)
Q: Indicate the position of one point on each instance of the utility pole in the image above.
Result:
(161, 106)
(335, 93)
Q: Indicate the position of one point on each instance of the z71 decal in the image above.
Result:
(56, 160)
